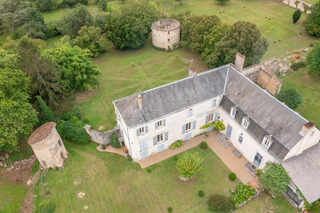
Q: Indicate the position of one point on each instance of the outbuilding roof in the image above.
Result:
(304, 171)
(41, 132)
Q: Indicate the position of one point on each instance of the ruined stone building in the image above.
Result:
(166, 34)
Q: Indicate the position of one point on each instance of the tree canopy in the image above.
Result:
(312, 25)
(313, 58)
(46, 5)
(242, 37)
(274, 177)
(290, 97)
(17, 117)
(130, 27)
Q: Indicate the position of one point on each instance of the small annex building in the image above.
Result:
(48, 147)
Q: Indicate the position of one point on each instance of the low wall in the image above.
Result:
(99, 137)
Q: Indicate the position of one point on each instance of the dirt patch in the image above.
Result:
(81, 195)
(102, 127)
(84, 95)
(19, 171)
(27, 206)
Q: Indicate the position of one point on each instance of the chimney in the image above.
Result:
(192, 72)
(140, 101)
(240, 61)
(306, 128)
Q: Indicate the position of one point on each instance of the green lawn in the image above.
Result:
(128, 72)
(11, 196)
(113, 184)
(309, 87)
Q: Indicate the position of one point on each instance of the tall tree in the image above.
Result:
(130, 27)
(42, 72)
(46, 5)
(312, 25)
(74, 21)
(77, 71)
(195, 28)
(17, 116)
(243, 37)
(313, 58)
(291, 97)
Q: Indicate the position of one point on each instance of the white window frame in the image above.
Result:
(245, 123)
(233, 111)
(267, 142)
(210, 117)
(190, 113)
(160, 138)
(215, 103)
(240, 136)
(141, 130)
(188, 126)
(159, 124)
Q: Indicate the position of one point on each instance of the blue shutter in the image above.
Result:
(166, 136)
(183, 129)
(164, 122)
(146, 129)
(207, 119)
(155, 125)
(189, 112)
(214, 103)
(194, 125)
(216, 117)
(154, 140)
(137, 132)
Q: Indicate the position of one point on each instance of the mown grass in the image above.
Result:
(113, 184)
(309, 87)
(11, 196)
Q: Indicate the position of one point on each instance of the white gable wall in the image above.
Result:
(249, 146)
(174, 123)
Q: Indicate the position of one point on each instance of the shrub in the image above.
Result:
(298, 65)
(258, 172)
(232, 176)
(220, 203)
(149, 170)
(129, 157)
(75, 111)
(175, 158)
(219, 126)
(176, 144)
(46, 206)
(46, 114)
(312, 25)
(290, 97)
(201, 193)
(296, 16)
(35, 167)
(114, 141)
(313, 58)
(170, 209)
(243, 192)
(73, 132)
(189, 165)
(203, 145)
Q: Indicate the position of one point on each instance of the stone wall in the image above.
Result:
(166, 36)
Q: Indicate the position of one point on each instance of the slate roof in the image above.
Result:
(304, 171)
(172, 97)
(268, 116)
(41, 132)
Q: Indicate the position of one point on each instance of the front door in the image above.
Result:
(188, 136)
(229, 131)
(144, 154)
(257, 159)
(161, 147)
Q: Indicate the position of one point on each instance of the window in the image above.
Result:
(189, 112)
(168, 32)
(141, 130)
(233, 111)
(214, 103)
(210, 117)
(159, 138)
(267, 141)
(188, 126)
(59, 142)
(168, 39)
(159, 124)
(240, 139)
(245, 122)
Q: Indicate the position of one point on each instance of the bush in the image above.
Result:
(219, 126)
(296, 16)
(312, 25)
(290, 97)
(220, 203)
(114, 141)
(170, 209)
(203, 145)
(243, 192)
(73, 132)
(201, 193)
(46, 206)
(75, 111)
(46, 114)
(232, 176)
(176, 144)
(189, 165)
(298, 65)
(313, 58)
(35, 167)
(149, 170)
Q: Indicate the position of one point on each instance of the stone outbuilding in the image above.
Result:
(48, 147)
(166, 34)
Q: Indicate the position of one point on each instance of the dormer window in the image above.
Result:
(233, 111)
(245, 122)
(214, 104)
(267, 141)
(189, 112)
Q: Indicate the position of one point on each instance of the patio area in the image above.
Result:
(234, 162)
